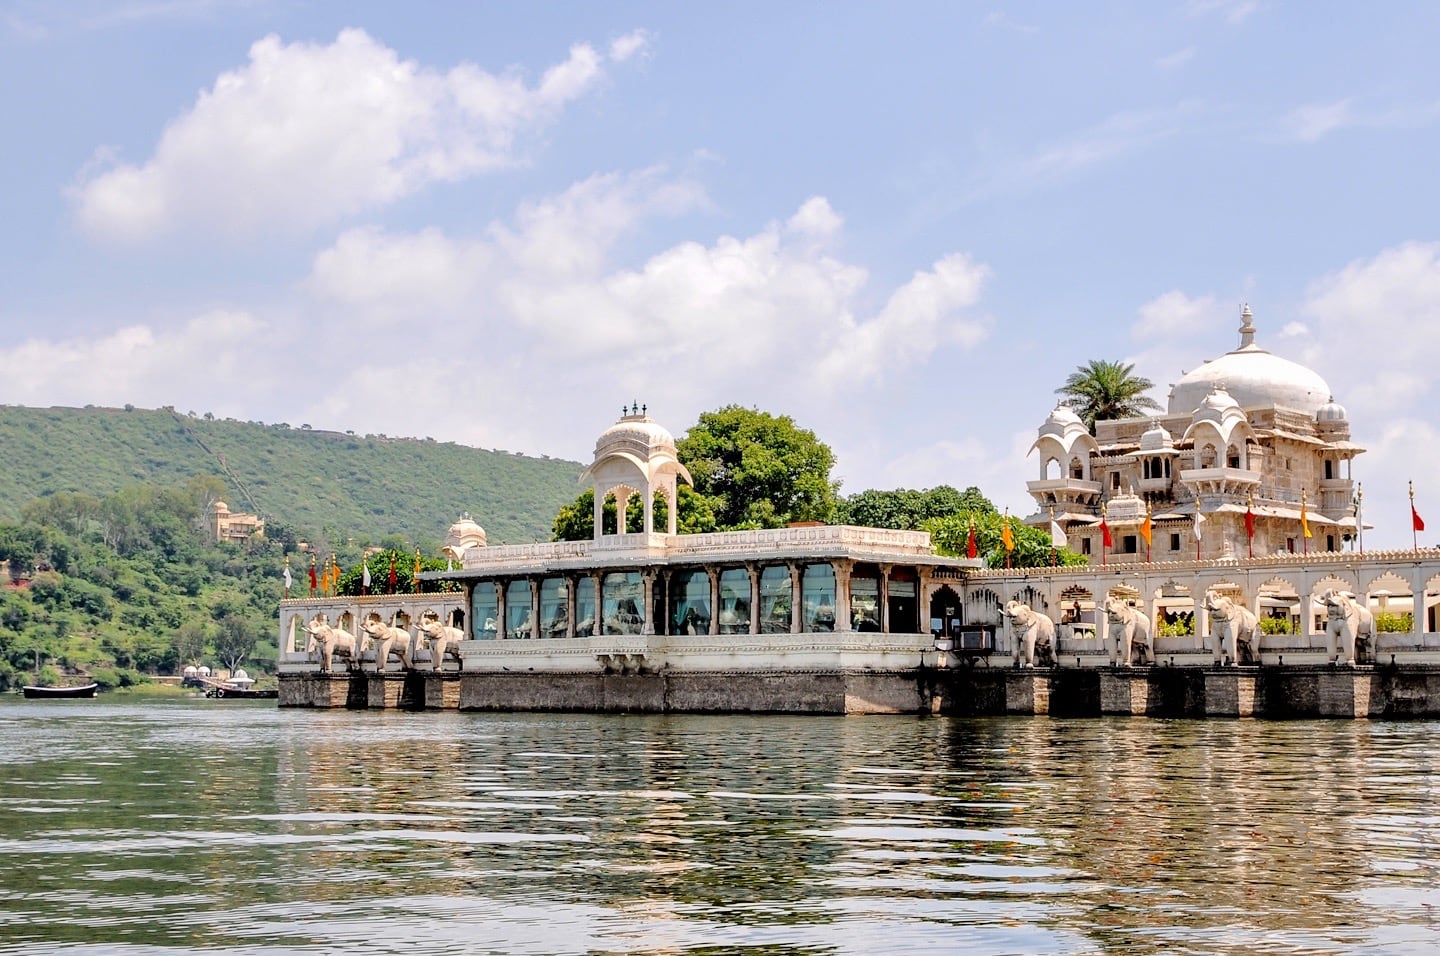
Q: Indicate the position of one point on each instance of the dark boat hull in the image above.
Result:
(60, 693)
(231, 693)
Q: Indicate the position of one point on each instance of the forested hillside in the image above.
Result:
(341, 484)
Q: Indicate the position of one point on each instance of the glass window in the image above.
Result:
(735, 601)
(775, 598)
(865, 601)
(554, 609)
(817, 590)
(904, 605)
(484, 610)
(519, 622)
(623, 602)
(690, 602)
(585, 607)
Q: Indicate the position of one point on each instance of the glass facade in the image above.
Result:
(865, 600)
(519, 622)
(904, 602)
(775, 599)
(690, 602)
(817, 592)
(623, 602)
(735, 601)
(554, 607)
(585, 607)
(484, 610)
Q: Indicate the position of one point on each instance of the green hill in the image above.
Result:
(318, 480)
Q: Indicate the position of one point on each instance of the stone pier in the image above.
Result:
(1233, 693)
(1027, 692)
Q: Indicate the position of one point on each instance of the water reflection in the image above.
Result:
(195, 825)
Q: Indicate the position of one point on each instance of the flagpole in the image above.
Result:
(1304, 525)
(1359, 518)
(1250, 522)
(1104, 533)
(1414, 532)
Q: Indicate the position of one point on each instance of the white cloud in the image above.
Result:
(1316, 120)
(623, 48)
(1233, 12)
(306, 134)
(210, 355)
(532, 313)
(1175, 313)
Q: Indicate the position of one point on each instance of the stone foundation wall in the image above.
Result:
(1275, 692)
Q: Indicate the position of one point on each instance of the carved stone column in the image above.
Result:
(666, 577)
(754, 570)
(885, 597)
(500, 587)
(571, 583)
(842, 593)
(648, 578)
(597, 626)
(795, 592)
(713, 573)
(535, 607)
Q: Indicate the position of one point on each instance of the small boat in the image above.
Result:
(41, 693)
(237, 687)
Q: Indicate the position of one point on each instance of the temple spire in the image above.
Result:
(1247, 327)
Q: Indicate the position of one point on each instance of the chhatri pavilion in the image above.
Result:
(1249, 432)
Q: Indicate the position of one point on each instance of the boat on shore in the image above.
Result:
(60, 693)
(239, 687)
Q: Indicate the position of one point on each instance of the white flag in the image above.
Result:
(1199, 520)
(1057, 535)
(287, 577)
(365, 575)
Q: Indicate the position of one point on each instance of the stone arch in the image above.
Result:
(982, 606)
(1077, 468)
(1050, 468)
(1315, 624)
(1175, 609)
(1235, 456)
(291, 641)
(1034, 597)
(1206, 456)
(1280, 599)
(1390, 594)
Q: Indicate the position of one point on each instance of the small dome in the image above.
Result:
(1254, 377)
(1156, 439)
(463, 534)
(1215, 405)
(637, 433)
(1061, 421)
(1331, 411)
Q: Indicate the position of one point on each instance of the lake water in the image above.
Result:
(234, 826)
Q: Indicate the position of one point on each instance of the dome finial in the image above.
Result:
(1247, 326)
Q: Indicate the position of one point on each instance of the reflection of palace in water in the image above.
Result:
(1207, 565)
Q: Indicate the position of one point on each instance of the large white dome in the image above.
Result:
(1253, 377)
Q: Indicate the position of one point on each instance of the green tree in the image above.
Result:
(950, 535)
(906, 510)
(235, 640)
(759, 470)
(1107, 390)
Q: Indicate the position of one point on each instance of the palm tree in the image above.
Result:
(1107, 390)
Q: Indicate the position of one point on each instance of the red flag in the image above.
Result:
(1105, 538)
(1249, 522)
(1416, 522)
(970, 549)
(314, 581)
(392, 573)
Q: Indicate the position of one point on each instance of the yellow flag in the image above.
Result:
(1304, 519)
(1007, 537)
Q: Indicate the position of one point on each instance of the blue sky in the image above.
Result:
(903, 225)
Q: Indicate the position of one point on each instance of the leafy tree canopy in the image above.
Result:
(759, 470)
(950, 535)
(906, 509)
(576, 521)
(1107, 390)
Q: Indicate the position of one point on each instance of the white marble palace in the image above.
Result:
(1249, 432)
(1251, 451)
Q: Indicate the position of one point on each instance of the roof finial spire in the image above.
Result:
(1247, 326)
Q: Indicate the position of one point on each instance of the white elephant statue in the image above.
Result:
(1349, 627)
(388, 640)
(1235, 630)
(330, 640)
(1130, 629)
(1034, 635)
(440, 638)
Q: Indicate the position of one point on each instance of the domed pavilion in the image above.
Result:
(1252, 450)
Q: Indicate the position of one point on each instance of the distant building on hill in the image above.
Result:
(227, 525)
